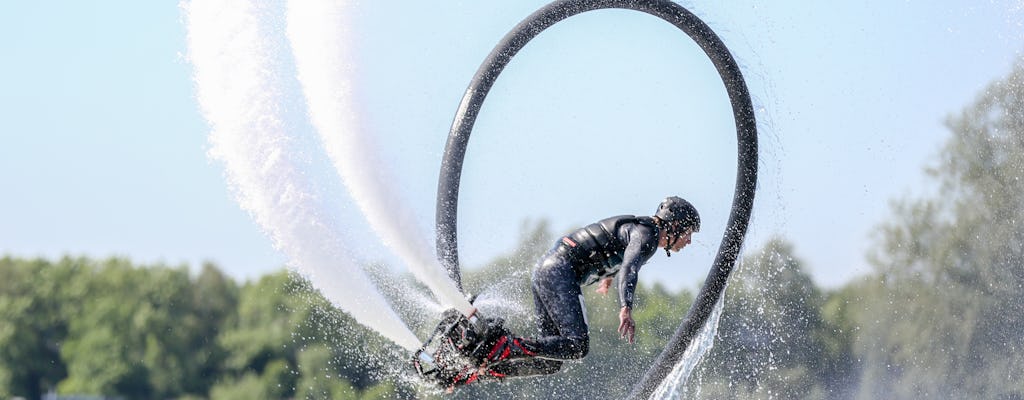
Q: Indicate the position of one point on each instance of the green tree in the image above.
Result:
(98, 352)
(952, 266)
(286, 338)
(33, 307)
(260, 335)
(111, 328)
(841, 313)
(318, 378)
(249, 386)
(214, 300)
(134, 334)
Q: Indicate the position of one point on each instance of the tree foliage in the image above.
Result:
(111, 328)
(33, 309)
(949, 307)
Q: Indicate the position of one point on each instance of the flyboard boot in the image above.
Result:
(461, 350)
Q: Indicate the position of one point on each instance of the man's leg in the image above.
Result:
(561, 318)
(527, 367)
(534, 365)
(562, 324)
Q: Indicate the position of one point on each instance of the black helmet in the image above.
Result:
(677, 209)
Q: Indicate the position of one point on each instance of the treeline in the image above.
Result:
(110, 328)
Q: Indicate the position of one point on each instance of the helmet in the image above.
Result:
(676, 209)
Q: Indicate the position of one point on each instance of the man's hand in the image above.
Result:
(627, 328)
(602, 287)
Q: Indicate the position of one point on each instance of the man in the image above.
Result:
(613, 247)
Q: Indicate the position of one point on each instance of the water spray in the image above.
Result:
(238, 83)
(674, 385)
(319, 35)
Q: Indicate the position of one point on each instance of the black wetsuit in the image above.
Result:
(613, 246)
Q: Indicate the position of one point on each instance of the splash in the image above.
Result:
(505, 297)
(674, 385)
(238, 82)
(319, 34)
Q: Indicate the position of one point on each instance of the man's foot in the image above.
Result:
(508, 347)
(470, 374)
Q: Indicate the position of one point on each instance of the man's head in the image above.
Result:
(678, 219)
(675, 209)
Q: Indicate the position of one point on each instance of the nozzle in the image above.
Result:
(425, 358)
(424, 362)
(480, 325)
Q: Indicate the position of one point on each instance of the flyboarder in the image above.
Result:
(615, 247)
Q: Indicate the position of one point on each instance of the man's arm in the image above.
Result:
(638, 251)
(627, 328)
(627, 284)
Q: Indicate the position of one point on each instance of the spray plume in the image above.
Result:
(236, 69)
(319, 37)
(674, 386)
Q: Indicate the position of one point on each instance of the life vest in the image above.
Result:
(596, 250)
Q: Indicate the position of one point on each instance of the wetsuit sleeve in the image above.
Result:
(641, 245)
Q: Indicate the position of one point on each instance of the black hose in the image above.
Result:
(746, 173)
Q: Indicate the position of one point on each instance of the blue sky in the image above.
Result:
(104, 150)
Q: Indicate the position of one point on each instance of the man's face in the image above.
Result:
(683, 240)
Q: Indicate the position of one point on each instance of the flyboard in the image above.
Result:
(461, 340)
(457, 352)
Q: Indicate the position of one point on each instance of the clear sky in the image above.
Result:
(103, 149)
